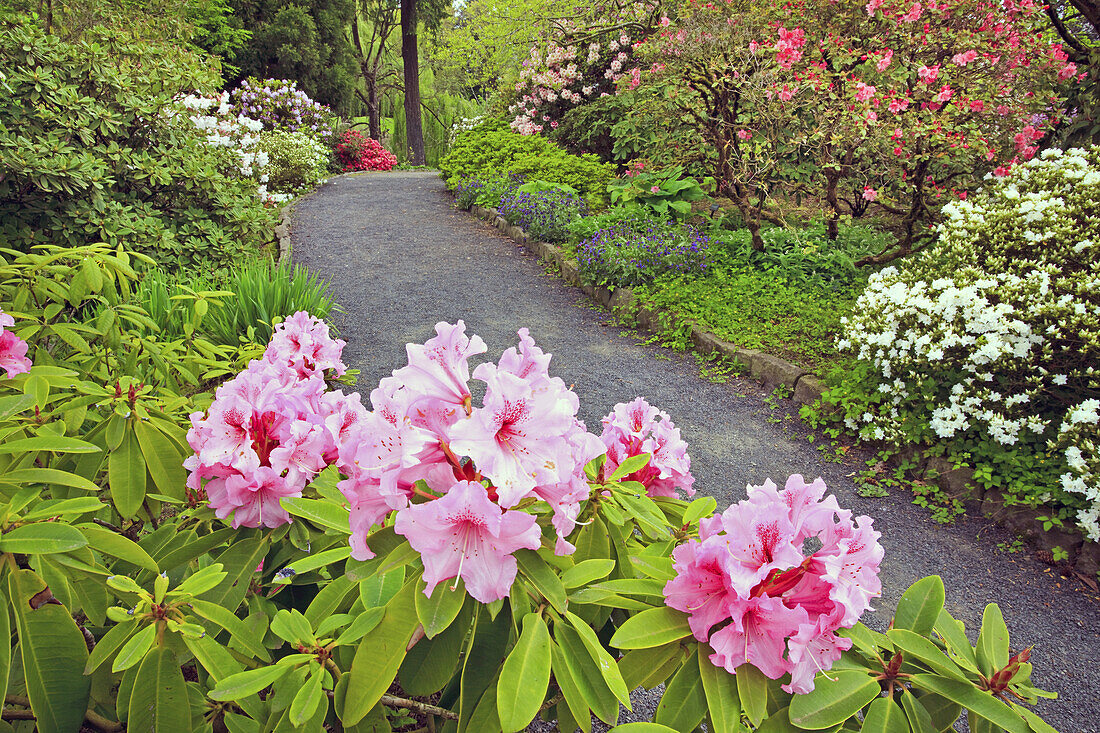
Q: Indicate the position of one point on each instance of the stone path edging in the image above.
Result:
(806, 388)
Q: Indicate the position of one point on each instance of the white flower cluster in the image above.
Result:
(213, 116)
(994, 331)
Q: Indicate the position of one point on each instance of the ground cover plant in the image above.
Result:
(543, 210)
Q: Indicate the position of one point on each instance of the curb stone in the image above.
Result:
(806, 389)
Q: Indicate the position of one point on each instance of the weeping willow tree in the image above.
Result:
(440, 110)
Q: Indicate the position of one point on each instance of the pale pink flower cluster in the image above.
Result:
(13, 350)
(272, 428)
(638, 427)
(778, 608)
(425, 449)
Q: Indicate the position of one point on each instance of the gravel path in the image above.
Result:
(400, 259)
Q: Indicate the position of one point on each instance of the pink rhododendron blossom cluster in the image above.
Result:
(272, 428)
(778, 607)
(13, 350)
(636, 428)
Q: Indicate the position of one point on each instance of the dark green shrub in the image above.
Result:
(490, 149)
(92, 149)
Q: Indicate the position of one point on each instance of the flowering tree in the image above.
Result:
(893, 105)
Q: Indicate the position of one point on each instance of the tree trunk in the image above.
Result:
(414, 134)
(832, 224)
(374, 113)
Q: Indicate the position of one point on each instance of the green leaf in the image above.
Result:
(53, 443)
(53, 655)
(437, 612)
(752, 691)
(992, 643)
(308, 698)
(361, 626)
(200, 581)
(884, 716)
(231, 623)
(379, 655)
(543, 577)
(650, 667)
(970, 697)
(78, 505)
(603, 659)
(780, 722)
(49, 476)
(312, 562)
(115, 637)
(630, 465)
(291, 626)
(525, 676)
(134, 650)
(918, 647)
(642, 728)
(704, 506)
(587, 572)
(585, 673)
(484, 654)
(720, 688)
(920, 606)
(953, 633)
(321, 512)
(42, 538)
(431, 663)
(249, 682)
(570, 688)
(160, 701)
(331, 599)
(162, 458)
(239, 561)
(654, 627)
(916, 714)
(835, 698)
(684, 703)
(5, 633)
(126, 473)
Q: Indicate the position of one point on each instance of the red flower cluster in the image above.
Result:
(358, 153)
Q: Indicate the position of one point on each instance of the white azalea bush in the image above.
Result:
(990, 338)
(297, 161)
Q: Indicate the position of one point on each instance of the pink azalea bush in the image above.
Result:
(13, 350)
(355, 152)
(778, 608)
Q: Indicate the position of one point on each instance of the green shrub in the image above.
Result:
(93, 149)
(297, 162)
(490, 149)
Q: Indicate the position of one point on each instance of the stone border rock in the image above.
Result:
(806, 388)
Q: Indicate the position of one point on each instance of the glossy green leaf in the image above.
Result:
(570, 689)
(525, 676)
(291, 626)
(643, 727)
(720, 688)
(970, 697)
(885, 716)
(918, 647)
(606, 663)
(159, 702)
(49, 477)
(52, 443)
(361, 626)
(110, 643)
(134, 650)
(654, 627)
(992, 646)
(752, 691)
(42, 538)
(313, 562)
(650, 667)
(586, 572)
(835, 698)
(249, 682)
(432, 663)
(438, 611)
(916, 714)
(306, 701)
(115, 545)
(126, 474)
(684, 703)
(239, 561)
(231, 623)
(54, 654)
(542, 576)
(953, 633)
(379, 655)
(704, 506)
(332, 598)
(320, 512)
(162, 458)
(920, 606)
(630, 465)
(5, 633)
(484, 653)
(77, 505)
(200, 581)
(585, 673)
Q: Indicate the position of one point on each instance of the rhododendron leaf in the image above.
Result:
(992, 646)
(704, 506)
(953, 633)
(360, 626)
(592, 542)
(12, 404)
(239, 561)
(79, 505)
(53, 443)
(484, 653)
(312, 562)
(524, 676)
(642, 587)
(642, 727)
(592, 468)
(321, 512)
(917, 647)
(485, 715)
(49, 476)
(835, 698)
(42, 538)
(160, 700)
(238, 629)
(586, 572)
(630, 465)
(720, 688)
(432, 663)
(379, 655)
(200, 581)
(585, 673)
(885, 716)
(542, 576)
(919, 719)
(943, 712)
(440, 610)
(650, 667)
(109, 643)
(752, 691)
(684, 703)
(182, 548)
(163, 460)
(1038, 725)
(292, 626)
(780, 722)
(249, 682)
(654, 627)
(982, 704)
(333, 597)
(920, 606)
(603, 659)
(867, 640)
(126, 473)
(596, 597)
(656, 567)
(378, 591)
(650, 519)
(306, 701)
(611, 511)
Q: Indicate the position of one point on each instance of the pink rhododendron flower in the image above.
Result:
(776, 607)
(914, 13)
(928, 74)
(944, 94)
(872, 6)
(883, 63)
(439, 368)
(962, 59)
(637, 427)
(303, 343)
(869, 194)
(13, 350)
(744, 134)
(465, 535)
(864, 91)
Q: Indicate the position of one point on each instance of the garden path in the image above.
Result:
(400, 258)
